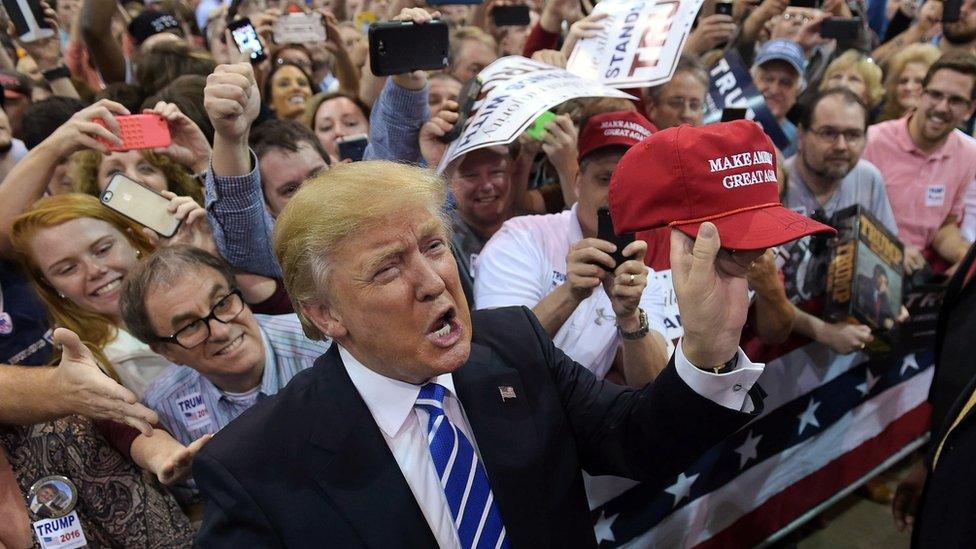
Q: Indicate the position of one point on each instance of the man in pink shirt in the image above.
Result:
(927, 164)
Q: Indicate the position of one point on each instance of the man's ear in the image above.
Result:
(327, 319)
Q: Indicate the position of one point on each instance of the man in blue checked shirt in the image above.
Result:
(183, 303)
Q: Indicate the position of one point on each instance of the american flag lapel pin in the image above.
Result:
(506, 391)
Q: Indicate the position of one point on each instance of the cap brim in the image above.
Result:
(760, 229)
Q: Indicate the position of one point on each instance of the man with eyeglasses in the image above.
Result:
(182, 302)
(681, 99)
(928, 164)
(827, 175)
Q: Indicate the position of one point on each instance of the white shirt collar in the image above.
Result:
(389, 400)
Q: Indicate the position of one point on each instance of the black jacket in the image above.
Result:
(309, 467)
(947, 515)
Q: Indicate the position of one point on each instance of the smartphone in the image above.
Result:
(140, 204)
(733, 113)
(841, 28)
(352, 147)
(399, 47)
(814, 4)
(537, 128)
(299, 28)
(723, 8)
(246, 39)
(466, 99)
(951, 11)
(28, 19)
(605, 232)
(511, 16)
(139, 131)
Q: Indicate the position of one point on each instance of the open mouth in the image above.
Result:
(445, 330)
(108, 288)
(231, 347)
(296, 100)
(485, 199)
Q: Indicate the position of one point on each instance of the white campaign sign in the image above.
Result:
(639, 45)
(515, 91)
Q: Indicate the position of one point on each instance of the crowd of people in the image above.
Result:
(128, 357)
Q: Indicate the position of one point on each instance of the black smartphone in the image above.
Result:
(246, 39)
(815, 4)
(841, 28)
(733, 113)
(399, 47)
(352, 147)
(723, 8)
(951, 11)
(605, 231)
(511, 16)
(467, 97)
(28, 19)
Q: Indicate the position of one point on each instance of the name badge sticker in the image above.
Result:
(935, 196)
(51, 501)
(193, 411)
(60, 533)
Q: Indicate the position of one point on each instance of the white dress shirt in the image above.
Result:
(404, 427)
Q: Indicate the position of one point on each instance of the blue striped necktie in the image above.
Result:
(463, 478)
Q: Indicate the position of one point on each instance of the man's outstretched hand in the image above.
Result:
(713, 304)
(84, 389)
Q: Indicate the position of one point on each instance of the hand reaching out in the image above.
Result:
(84, 389)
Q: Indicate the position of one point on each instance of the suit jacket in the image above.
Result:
(309, 466)
(947, 515)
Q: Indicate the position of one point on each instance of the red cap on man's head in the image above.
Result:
(626, 128)
(724, 173)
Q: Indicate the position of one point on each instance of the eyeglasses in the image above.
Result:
(955, 101)
(198, 331)
(681, 103)
(830, 134)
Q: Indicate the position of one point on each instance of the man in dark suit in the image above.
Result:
(424, 426)
(937, 499)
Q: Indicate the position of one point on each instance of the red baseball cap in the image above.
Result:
(626, 128)
(724, 173)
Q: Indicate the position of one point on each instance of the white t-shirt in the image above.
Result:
(526, 260)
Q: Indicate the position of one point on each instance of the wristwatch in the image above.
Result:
(639, 332)
(728, 366)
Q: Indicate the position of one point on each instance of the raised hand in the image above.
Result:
(82, 132)
(232, 100)
(627, 284)
(431, 146)
(189, 146)
(712, 302)
(177, 466)
(84, 389)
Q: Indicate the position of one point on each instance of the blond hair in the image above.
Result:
(464, 34)
(341, 202)
(95, 329)
(871, 73)
(925, 54)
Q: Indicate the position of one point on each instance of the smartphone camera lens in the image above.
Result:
(381, 47)
(107, 196)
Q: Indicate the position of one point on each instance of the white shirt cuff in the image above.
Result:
(730, 390)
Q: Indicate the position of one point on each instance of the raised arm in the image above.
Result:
(96, 29)
(29, 178)
(234, 200)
